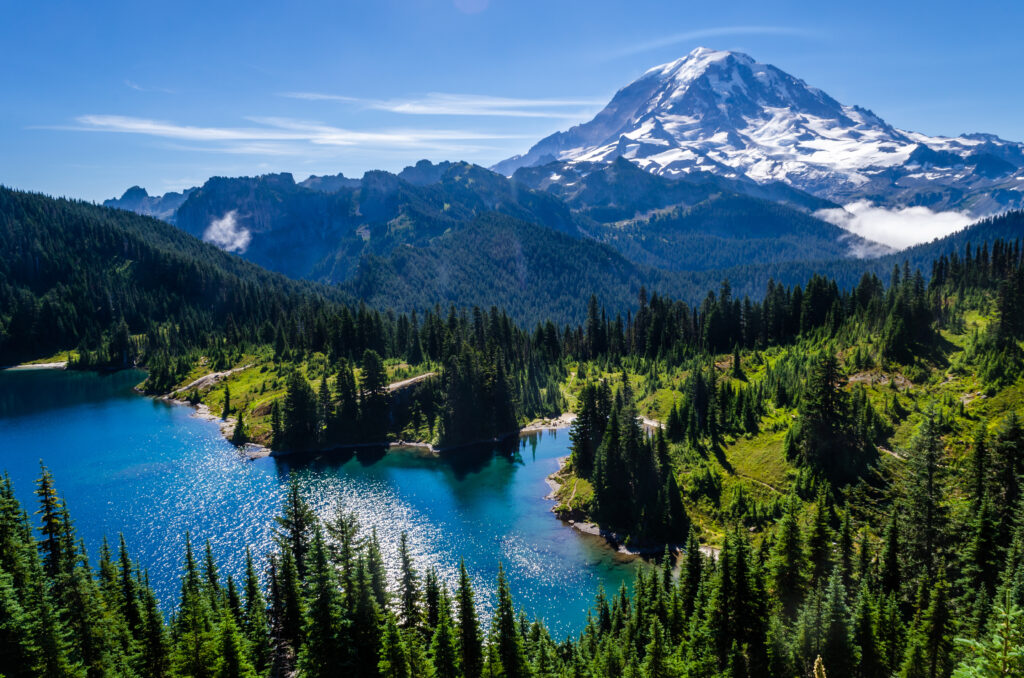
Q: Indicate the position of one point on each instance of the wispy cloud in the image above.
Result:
(287, 136)
(142, 88)
(439, 103)
(715, 32)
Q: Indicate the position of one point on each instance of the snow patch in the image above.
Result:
(226, 234)
(899, 228)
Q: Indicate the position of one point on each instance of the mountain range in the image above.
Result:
(713, 165)
(726, 114)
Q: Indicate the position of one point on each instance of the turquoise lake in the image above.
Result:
(152, 471)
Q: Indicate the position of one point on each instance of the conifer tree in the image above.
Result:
(289, 603)
(787, 562)
(195, 646)
(470, 643)
(869, 664)
(277, 439)
(295, 526)
(837, 649)
(411, 614)
(394, 657)
(431, 600)
(377, 573)
(444, 649)
(323, 409)
(154, 655)
(510, 652)
(52, 527)
(890, 575)
(819, 542)
(232, 661)
(298, 427)
(925, 522)
(255, 624)
(1001, 653)
(326, 644)
(19, 652)
(239, 435)
(656, 659)
(227, 402)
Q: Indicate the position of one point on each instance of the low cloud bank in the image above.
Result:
(899, 228)
(226, 234)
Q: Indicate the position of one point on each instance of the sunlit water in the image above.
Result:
(150, 470)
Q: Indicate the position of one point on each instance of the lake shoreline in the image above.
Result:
(251, 450)
(611, 538)
(36, 366)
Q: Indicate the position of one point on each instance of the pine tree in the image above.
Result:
(52, 527)
(295, 526)
(227, 402)
(838, 650)
(394, 657)
(471, 652)
(929, 646)
(411, 615)
(820, 437)
(154, 656)
(195, 646)
(444, 649)
(511, 654)
(326, 645)
(128, 589)
(819, 542)
(925, 523)
(232, 661)
(277, 440)
(869, 664)
(787, 562)
(290, 603)
(377, 573)
(1002, 653)
(431, 600)
(656, 659)
(323, 410)
(239, 436)
(256, 626)
(298, 428)
(890, 575)
(373, 394)
(366, 622)
(19, 652)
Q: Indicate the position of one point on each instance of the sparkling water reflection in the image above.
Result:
(150, 470)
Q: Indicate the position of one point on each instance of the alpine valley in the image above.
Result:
(665, 328)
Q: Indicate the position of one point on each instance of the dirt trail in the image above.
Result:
(891, 453)
(208, 380)
(651, 423)
(405, 383)
(561, 421)
(759, 482)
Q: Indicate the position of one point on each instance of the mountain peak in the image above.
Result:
(725, 113)
(697, 61)
(135, 193)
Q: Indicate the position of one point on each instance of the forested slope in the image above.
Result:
(71, 272)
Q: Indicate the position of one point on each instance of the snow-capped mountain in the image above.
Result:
(724, 113)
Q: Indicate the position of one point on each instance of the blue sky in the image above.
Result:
(97, 96)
